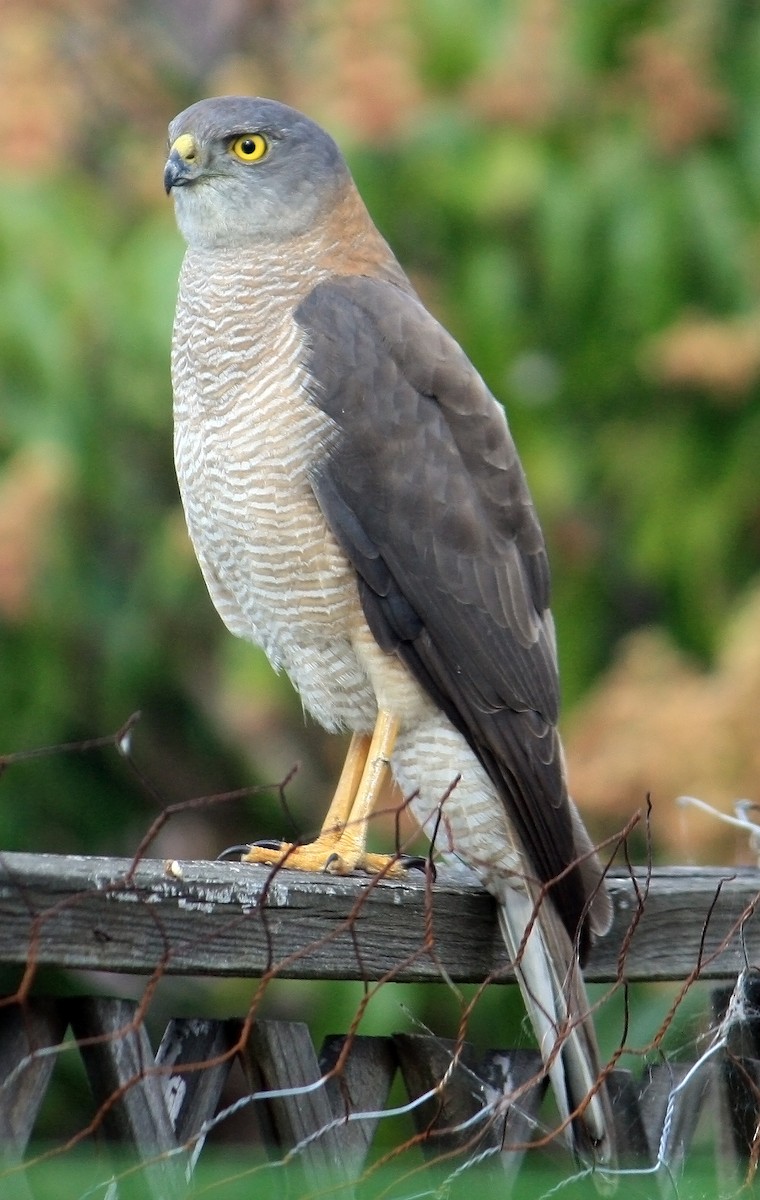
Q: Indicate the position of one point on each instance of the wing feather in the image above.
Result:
(424, 490)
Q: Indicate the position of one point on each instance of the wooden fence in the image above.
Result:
(226, 919)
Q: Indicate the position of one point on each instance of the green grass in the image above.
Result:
(87, 1174)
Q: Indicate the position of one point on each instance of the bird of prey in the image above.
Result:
(359, 510)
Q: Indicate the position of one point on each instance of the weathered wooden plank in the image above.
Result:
(27, 1032)
(445, 1118)
(517, 1074)
(672, 1097)
(362, 1087)
(233, 919)
(302, 1115)
(484, 1107)
(119, 1063)
(192, 1095)
(631, 1136)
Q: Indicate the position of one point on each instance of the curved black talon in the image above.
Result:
(333, 858)
(416, 862)
(264, 844)
(233, 850)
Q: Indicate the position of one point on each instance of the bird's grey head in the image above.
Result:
(244, 170)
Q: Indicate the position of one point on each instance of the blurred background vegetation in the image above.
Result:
(575, 190)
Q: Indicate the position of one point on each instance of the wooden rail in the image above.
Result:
(319, 1109)
(231, 919)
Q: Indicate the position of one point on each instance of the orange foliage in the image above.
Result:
(720, 355)
(71, 68)
(680, 103)
(529, 84)
(658, 724)
(362, 67)
(32, 488)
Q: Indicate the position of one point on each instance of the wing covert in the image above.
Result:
(424, 490)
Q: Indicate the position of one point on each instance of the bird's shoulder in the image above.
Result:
(424, 488)
(418, 414)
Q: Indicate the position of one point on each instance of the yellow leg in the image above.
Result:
(341, 845)
(348, 786)
(350, 851)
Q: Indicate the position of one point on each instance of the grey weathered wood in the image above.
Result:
(234, 919)
(511, 1083)
(27, 1033)
(631, 1137)
(655, 1087)
(674, 1087)
(518, 1076)
(445, 1119)
(120, 1067)
(362, 1087)
(286, 1059)
(192, 1095)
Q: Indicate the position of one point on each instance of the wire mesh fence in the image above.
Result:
(218, 1106)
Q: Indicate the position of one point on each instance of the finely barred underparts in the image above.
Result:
(248, 449)
(358, 510)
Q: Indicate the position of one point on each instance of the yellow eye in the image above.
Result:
(250, 147)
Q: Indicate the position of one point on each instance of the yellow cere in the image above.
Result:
(250, 147)
(185, 147)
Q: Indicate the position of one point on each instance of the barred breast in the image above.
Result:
(245, 434)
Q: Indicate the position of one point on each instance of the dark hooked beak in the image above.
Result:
(182, 166)
(177, 172)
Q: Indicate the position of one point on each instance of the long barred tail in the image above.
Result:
(552, 986)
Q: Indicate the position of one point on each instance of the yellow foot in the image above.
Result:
(339, 849)
(335, 856)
